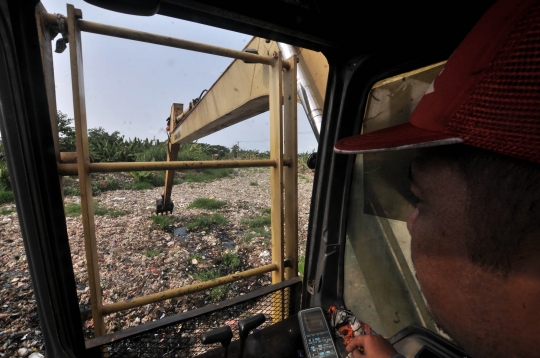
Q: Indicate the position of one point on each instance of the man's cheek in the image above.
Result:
(420, 238)
(412, 218)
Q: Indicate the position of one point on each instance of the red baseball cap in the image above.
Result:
(487, 95)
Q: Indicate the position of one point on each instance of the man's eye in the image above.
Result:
(413, 199)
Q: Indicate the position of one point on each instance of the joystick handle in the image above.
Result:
(247, 325)
(222, 335)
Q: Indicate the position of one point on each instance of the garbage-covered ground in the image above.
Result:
(217, 228)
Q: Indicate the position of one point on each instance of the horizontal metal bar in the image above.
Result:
(181, 317)
(86, 315)
(71, 169)
(128, 34)
(165, 295)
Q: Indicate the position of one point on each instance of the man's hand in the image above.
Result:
(371, 346)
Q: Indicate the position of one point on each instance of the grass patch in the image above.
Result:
(206, 221)
(207, 175)
(141, 185)
(197, 257)
(257, 222)
(247, 238)
(205, 203)
(104, 211)
(301, 176)
(266, 211)
(301, 265)
(257, 225)
(254, 183)
(230, 259)
(152, 253)
(207, 275)
(7, 211)
(302, 160)
(73, 209)
(162, 222)
(6, 197)
(218, 293)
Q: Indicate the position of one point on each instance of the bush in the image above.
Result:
(105, 147)
(66, 132)
(95, 189)
(108, 184)
(158, 179)
(152, 153)
(5, 182)
(302, 161)
(194, 152)
(205, 203)
(6, 197)
(72, 191)
(141, 176)
(147, 180)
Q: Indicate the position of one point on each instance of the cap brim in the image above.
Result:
(403, 136)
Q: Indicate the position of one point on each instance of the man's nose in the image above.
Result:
(411, 220)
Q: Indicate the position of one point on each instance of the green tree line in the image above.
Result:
(114, 147)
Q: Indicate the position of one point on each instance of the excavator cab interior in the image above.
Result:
(382, 57)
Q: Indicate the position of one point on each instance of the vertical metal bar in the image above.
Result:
(290, 129)
(45, 39)
(276, 179)
(83, 156)
(290, 125)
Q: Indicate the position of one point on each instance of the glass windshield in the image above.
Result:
(380, 285)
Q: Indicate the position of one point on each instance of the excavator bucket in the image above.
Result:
(163, 207)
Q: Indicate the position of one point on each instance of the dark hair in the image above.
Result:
(503, 207)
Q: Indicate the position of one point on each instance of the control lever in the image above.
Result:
(245, 326)
(222, 335)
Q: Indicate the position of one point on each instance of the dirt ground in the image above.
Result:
(137, 257)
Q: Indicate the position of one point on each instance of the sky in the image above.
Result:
(130, 86)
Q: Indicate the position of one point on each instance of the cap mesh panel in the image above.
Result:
(503, 114)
